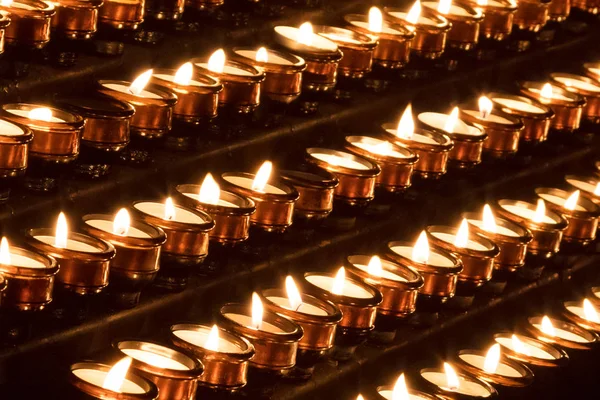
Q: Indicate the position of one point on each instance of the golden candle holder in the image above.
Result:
(585, 87)
(30, 22)
(535, 116)
(316, 187)
(76, 19)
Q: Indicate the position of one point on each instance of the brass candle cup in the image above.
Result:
(396, 162)
(399, 296)
(153, 115)
(590, 338)
(546, 236)
(126, 15)
(357, 48)
(81, 272)
(275, 351)
(586, 186)
(577, 318)
(592, 70)
(222, 370)
(232, 223)
(76, 19)
(283, 81)
(464, 31)
(56, 142)
(559, 10)
(503, 130)
(444, 393)
(386, 393)
(525, 377)
(164, 10)
(532, 15)
(28, 289)
(591, 110)
(498, 19)
(478, 265)
(14, 150)
(356, 186)
(274, 211)
(393, 45)
(558, 357)
(171, 383)
(4, 23)
(196, 101)
(583, 224)
(513, 249)
(567, 113)
(30, 24)
(433, 158)
(241, 92)
(316, 188)
(536, 125)
(438, 281)
(96, 391)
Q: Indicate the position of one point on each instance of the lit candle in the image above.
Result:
(576, 83)
(516, 104)
(218, 65)
(465, 22)
(294, 300)
(210, 193)
(255, 319)
(449, 123)
(20, 258)
(170, 212)
(400, 391)
(488, 224)
(29, 22)
(583, 314)
(447, 382)
(534, 213)
(208, 338)
(589, 186)
(564, 334)
(115, 380)
(526, 346)
(61, 239)
(120, 226)
(421, 253)
(341, 286)
(258, 183)
(338, 160)
(303, 39)
(462, 239)
(498, 18)
(151, 355)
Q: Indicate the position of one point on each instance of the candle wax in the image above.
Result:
(564, 334)
(578, 84)
(339, 161)
(155, 359)
(9, 129)
(423, 20)
(490, 118)
(416, 137)
(117, 87)
(96, 377)
(386, 29)
(229, 69)
(559, 201)
(246, 183)
(454, 9)
(449, 238)
(387, 274)
(388, 395)
(466, 386)
(526, 213)
(199, 338)
(501, 230)
(246, 320)
(478, 362)
(72, 244)
(532, 350)
(18, 260)
(318, 43)
(25, 113)
(519, 105)
(595, 71)
(350, 288)
(221, 202)
(304, 307)
(582, 185)
(340, 37)
(181, 214)
(107, 226)
(438, 121)
(171, 78)
(435, 259)
(272, 58)
(555, 94)
(379, 148)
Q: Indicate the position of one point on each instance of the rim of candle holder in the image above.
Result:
(525, 379)
(366, 42)
(587, 179)
(461, 137)
(164, 224)
(210, 84)
(41, 9)
(576, 101)
(414, 280)
(592, 337)
(181, 356)
(80, 3)
(372, 171)
(292, 331)
(506, 5)
(50, 269)
(257, 75)
(438, 391)
(491, 251)
(246, 206)
(25, 138)
(560, 224)
(516, 124)
(411, 158)
(334, 315)
(430, 269)
(475, 14)
(404, 32)
(444, 142)
(442, 23)
(372, 301)
(582, 322)
(100, 106)
(588, 70)
(546, 115)
(291, 194)
(151, 391)
(592, 210)
(574, 89)
(166, 97)
(157, 235)
(4, 19)
(245, 354)
(298, 63)
(524, 235)
(299, 178)
(411, 392)
(107, 250)
(561, 357)
(72, 120)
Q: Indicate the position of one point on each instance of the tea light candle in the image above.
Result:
(316, 188)
(592, 70)
(14, 148)
(531, 351)
(561, 333)
(583, 313)
(531, 17)
(449, 383)
(304, 40)
(29, 22)
(76, 20)
(589, 187)
(586, 87)
(498, 16)
(464, 20)
(122, 14)
(401, 391)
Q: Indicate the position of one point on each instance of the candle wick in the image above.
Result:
(298, 308)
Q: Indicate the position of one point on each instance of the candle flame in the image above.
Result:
(257, 311)
(485, 107)
(212, 341)
(262, 177)
(40, 114)
(406, 126)
(359, 397)
(489, 222)
(6, 3)
(492, 359)
(209, 191)
(452, 381)
(305, 34)
(375, 267)
(116, 376)
(400, 391)
(519, 346)
(338, 282)
(451, 120)
(412, 17)
(597, 189)
(546, 91)
(121, 222)
(293, 293)
(462, 236)
(216, 62)
(183, 76)
(571, 202)
(375, 20)
(4, 252)
(62, 232)
(590, 312)
(420, 252)
(139, 83)
(444, 6)
(262, 55)
(547, 326)
(169, 209)
(540, 211)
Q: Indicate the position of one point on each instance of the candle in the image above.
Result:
(340, 161)
(348, 288)
(170, 212)
(302, 308)
(62, 241)
(559, 201)
(588, 185)
(519, 105)
(303, 39)
(495, 118)
(91, 373)
(462, 239)
(586, 87)
(564, 334)
(271, 56)
(107, 226)
(441, 121)
(381, 272)
(583, 314)
(386, 27)
(251, 321)
(500, 230)
(247, 183)
(126, 89)
(20, 259)
(531, 351)
(434, 259)
(30, 22)
(155, 359)
(400, 391)
(199, 337)
(376, 147)
(449, 382)
(490, 363)
(576, 82)
(453, 10)
(427, 20)
(526, 346)
(529, 212)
